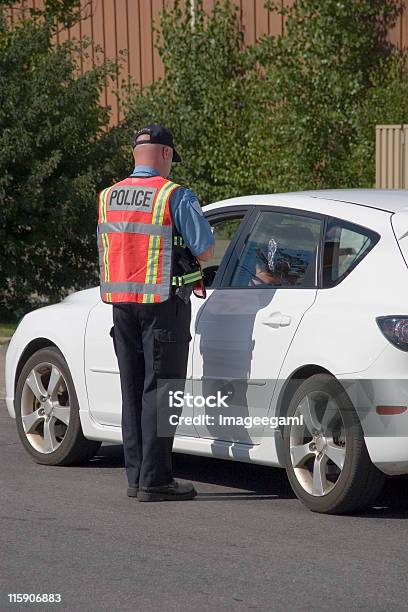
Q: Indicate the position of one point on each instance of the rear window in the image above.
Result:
(345, 246)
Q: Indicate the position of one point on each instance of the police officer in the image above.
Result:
(152, 236)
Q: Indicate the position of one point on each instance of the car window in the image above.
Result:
(223, 231)
(280, 251)
(345, 246)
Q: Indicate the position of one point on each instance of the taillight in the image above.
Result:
(395, 329)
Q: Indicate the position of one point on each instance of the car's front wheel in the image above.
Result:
(327, 462)
(47, 412)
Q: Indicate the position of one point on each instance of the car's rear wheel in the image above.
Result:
(327, 462)
(47, 412)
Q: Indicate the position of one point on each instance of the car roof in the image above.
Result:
(392, 200)
(389, 200)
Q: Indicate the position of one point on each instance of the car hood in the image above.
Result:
(87, 296)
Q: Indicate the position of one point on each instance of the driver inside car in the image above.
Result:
(271, 268)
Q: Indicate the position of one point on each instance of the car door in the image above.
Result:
(101, 366)
(245, 328)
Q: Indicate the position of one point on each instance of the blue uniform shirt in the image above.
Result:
(186, 213)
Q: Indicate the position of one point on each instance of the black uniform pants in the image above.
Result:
(151, 343)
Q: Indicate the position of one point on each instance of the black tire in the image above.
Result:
(359, 482)
(74, 448)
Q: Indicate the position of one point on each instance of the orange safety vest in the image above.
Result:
(136, 237)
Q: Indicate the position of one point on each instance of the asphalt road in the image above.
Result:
(244, 543)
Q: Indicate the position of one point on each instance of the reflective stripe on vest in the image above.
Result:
(135, 241)
(133, 288)
(186, 278)
(153, 252)
(104, 239)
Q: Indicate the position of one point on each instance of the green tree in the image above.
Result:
(295, 111)
(385, 103)
(51, 159)
(291, 112)
(205, 99)
(320, 74)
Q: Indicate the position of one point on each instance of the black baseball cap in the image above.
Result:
(158, 135)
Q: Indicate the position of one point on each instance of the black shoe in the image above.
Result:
(132, 490)
(177, 490)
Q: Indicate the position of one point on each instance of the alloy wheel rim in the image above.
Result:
(45, 408)
(318, 446)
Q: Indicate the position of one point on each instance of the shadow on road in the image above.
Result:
(254, 482)
(392, 502)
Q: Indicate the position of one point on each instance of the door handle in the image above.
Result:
(277, 319)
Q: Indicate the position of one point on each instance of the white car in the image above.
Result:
(306, 307)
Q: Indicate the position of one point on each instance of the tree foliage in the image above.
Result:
(320, 74)
(204, 99)
(289, 112)
(294, 111)
(51, 156)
